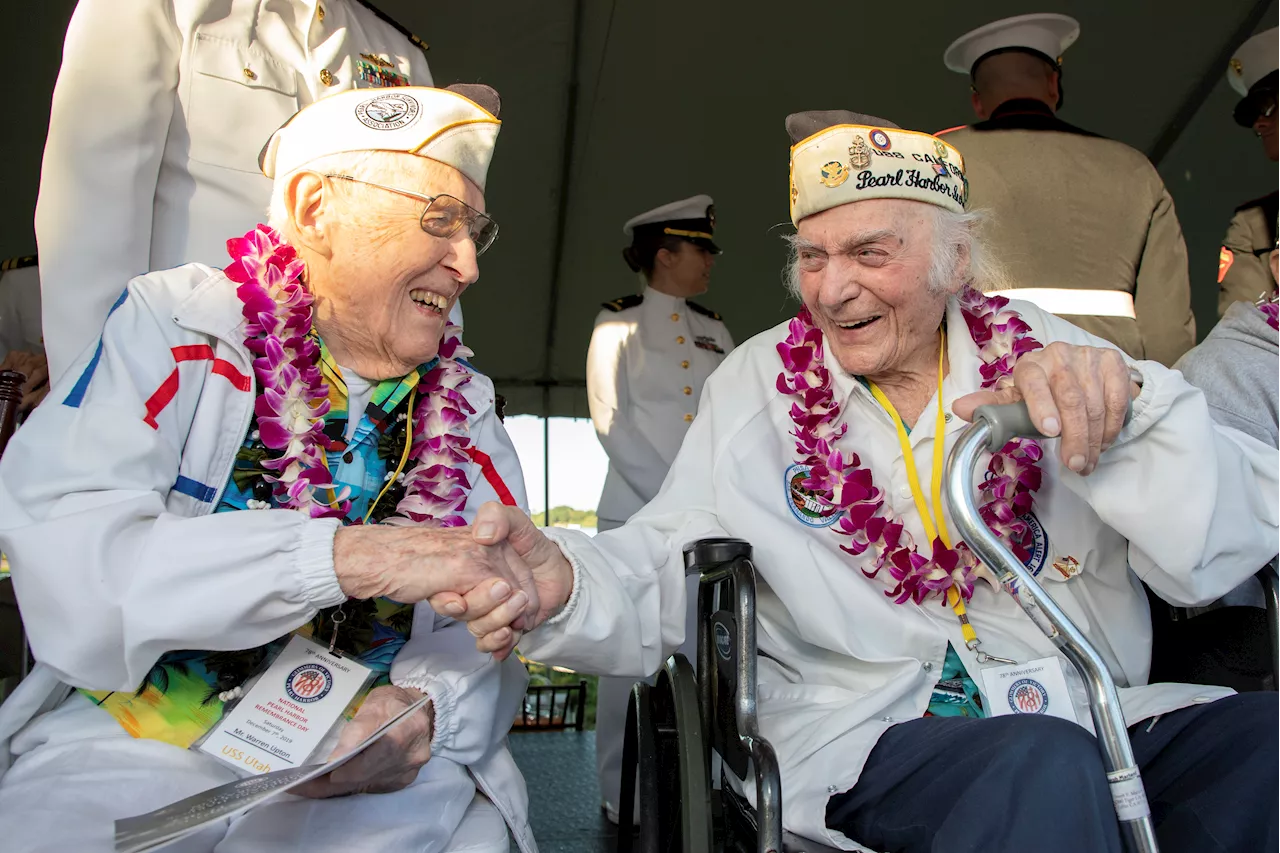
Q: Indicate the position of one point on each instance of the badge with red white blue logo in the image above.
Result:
(1028, 696)
(880, 139)
(310, 682)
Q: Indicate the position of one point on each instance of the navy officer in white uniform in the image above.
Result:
(157, 122)
(649, 357)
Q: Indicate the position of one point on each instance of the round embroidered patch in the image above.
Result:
(388, 112)
(1039, 545)
(804, 503)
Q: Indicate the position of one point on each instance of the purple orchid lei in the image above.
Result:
(294, 397)
(840, 482)
(1271, 310)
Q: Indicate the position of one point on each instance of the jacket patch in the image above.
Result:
(803, 503)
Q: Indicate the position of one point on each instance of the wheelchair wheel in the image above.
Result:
(664, 741)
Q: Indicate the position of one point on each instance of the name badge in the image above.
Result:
(286, 714)
(1035, 687)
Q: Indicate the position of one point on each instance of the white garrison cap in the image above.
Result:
(447, 125)
(840, 157)
(1046, 33)
(1255, 59)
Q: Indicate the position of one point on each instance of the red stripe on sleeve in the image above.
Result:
(161, 398)
(194, 352)
(491, 475)
(227, 370)
(222, 367)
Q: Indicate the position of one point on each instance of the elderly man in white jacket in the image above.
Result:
(881, 684)
(176, 516)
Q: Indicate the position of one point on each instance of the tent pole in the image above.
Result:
(546, 455)
(1204, 87)
(562, 212)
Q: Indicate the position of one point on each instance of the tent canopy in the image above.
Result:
(613, 107)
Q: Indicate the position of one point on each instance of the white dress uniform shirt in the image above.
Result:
(1185, 505)
(159, 114)
(648, 360)
(19, 307)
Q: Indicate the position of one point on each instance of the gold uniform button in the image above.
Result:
(249, 75)
(320, 12)
(688, 419)
(675, 317)
(326, 78)
(685, 365)
(680, 339)
(687, 390)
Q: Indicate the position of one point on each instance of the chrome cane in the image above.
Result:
(993, 427)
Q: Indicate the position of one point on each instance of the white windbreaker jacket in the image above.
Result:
(1178, 502)
(106, 514)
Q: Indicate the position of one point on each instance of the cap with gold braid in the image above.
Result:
(692, 219)
(457, 126)
(839, 157)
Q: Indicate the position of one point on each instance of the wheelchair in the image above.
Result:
(675, 727)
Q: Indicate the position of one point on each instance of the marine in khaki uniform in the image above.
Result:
(159, 114)
(1243, 272)
(649, 357)
(1084, 224)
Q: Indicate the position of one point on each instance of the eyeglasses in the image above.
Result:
(444, 215)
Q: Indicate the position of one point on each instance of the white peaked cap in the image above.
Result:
(697, 207)
(439, 124)
(1255, 59)
(1046, 33)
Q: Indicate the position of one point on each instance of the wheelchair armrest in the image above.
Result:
(709, 553)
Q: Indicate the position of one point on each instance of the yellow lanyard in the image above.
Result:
(935, 524)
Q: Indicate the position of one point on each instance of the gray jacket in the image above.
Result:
(1236, 368)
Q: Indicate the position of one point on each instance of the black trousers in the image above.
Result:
(1033, 783)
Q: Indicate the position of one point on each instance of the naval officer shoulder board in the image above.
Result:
(18, 263)
(622, 303)
(396, 25)
(706, 312)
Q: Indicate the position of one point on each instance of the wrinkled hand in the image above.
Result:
(389, 764)
(411, 564)
(1080, 393)
(35, 368)
(495, 615)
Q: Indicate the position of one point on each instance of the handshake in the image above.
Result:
(500, 575)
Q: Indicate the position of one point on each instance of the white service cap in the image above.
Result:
(1255, 59)
(1046, 33)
